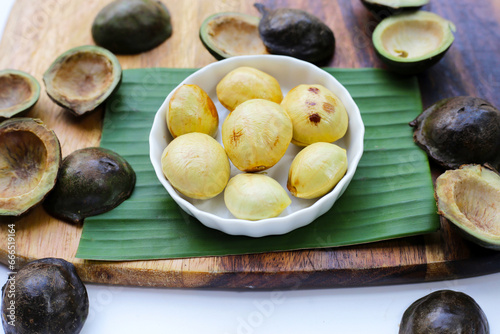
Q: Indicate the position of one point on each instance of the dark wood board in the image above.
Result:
(37, 32)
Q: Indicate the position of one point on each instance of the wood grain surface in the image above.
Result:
(38, 31)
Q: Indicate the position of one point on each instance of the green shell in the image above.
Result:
(402, 41)
(229, 34)
(82, 78)
(132, 26)
(30, 156)
(19, 92)
(384, 8)
(468, 197)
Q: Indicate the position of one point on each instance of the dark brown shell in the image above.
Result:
(444, 312)
(46, 296)
(91, 181)
(296, 33)
(460, 130)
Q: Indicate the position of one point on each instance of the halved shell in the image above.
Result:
(469, 197)
(19, 92)
(409, 43)
(230, 34)
(82, 78)
(30, 156)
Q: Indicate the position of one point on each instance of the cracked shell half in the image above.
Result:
(19, 92)
(230, 34)
(82, 78)
(30, 156)
(410, 43)
(469, 197)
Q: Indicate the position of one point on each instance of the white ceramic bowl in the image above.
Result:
(289, 72)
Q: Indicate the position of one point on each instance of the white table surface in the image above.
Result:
(374, 310)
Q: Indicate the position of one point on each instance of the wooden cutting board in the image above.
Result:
(38, 31)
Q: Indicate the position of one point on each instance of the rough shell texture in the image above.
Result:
(316, 170)
(470, 198)
(190, 109)
(247, 83)
(296, 33)
(30, 156)
(48, 297)
(19, 92)
(317, 114)
(82, 78)
(132, 26)
(196, 165)
(460, 130)
(444, 312)
(91, 181)
(256, 135)
(255, 196)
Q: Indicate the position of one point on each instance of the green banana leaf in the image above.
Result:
(390, 196)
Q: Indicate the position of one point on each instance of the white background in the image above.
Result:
(351, 310)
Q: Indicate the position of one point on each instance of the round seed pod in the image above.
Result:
(91, 181)
(132, 26)
(442, 312)
(296, 33)
(459, 130)
(45, 296)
